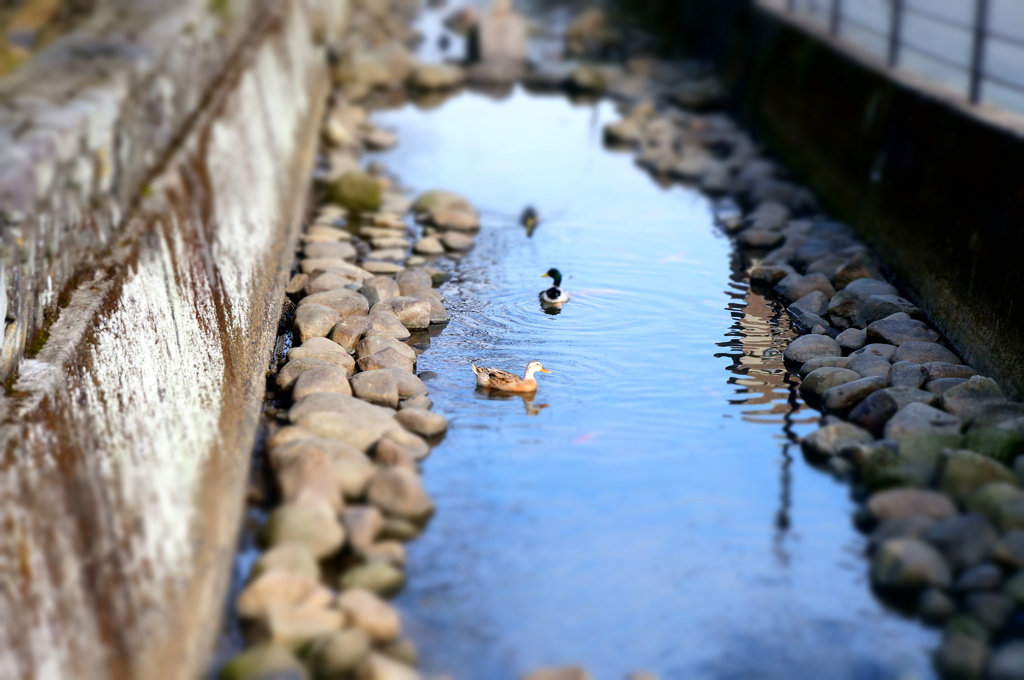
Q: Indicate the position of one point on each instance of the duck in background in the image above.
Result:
(553, 297)
(497, 379)
(529, 219)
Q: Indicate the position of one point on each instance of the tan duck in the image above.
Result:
(497, 379)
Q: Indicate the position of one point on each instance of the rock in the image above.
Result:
(1014, 588)
(831, 439)
(379, 577)
(339, 653)
(311, 525)
(346, 419)
(972, 398)
(349, 331)
(897, 331)
(1009, 550)
(923, 353)
(263, 662)
(564, 673)
(292, 627)
(342, 250)
(814, 302)
(587, 78)
(808, 347)
(376, 267)
(399, 529)
(920, 419)
(809, 367)
(429, 245)
(962, 656)
(907, 374)
(342, 300)
(453, 240)
(913, 526)
(1007, 662)
(908, 564)
(877, 307)
(408, 384)
(1001, 502)
(412, 312)
(941, 369)
(383, 322)
(421, 401)
(768, 275)
(377, 387)
(842, 398)
(370, 614)
(984, 577)
(934, 606)
(377, 343)
(895, 503)
(290, 558)
(399, 492)
(844, 310)
(808, 284)
(314, 321)
(876, 349)
(296, 284)
(356, 191)
(349, 468)
(965, 472)
(963, 540)
(436, 77)
(386, 358)
(586, 32)
(395, 447)
(325, 378)
(402, 651)
(856, 268)
(290, 372)
(870, 365)
(914, 465)
(992, 610)
(381, 667)
(281, 589)
(822, 379)
(852, 339)
(751, 238)
(874, 412)
(942, 384)
(421, 422)
(337, 356)
(377, 288)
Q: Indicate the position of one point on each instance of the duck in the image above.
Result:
(553, 296)
(529, 219)
(497, 379)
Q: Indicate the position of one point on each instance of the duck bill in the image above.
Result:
(544, 276)
(543, 370)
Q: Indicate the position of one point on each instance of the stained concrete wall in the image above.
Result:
(151, 240)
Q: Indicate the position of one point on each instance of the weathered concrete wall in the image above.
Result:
(125, 438)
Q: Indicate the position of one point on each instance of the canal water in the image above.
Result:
(647, 509)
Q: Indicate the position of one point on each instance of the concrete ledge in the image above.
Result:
(125, 439)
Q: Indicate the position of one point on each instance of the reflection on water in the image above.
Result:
(531, 408)
(653, 516)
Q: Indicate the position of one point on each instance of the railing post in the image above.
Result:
(978, 50)
(895, 32)
(835, 19)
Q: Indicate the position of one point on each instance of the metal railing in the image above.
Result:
(924, 35)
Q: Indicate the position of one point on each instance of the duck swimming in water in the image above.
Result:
(529, 219)
(497, 379)
(554, 296)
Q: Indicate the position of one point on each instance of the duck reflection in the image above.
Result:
(531, 407)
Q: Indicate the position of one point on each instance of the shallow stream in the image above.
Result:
(648, 509)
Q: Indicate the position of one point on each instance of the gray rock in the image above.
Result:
(844, 310)
(822, 379)
(1014, 588)
(377, 387)
(964, 472)
(769, 275)
(913, 526)
(923, 353)
(808, 284)
(383, 322)
(422, 422)
(963, 540)
(941, 369)
(453, 240)
(377, 343)
(939, 386)
(870, 365)
(972, 398)
(908, 564)
(984, 577)
(338, 654)
(408, 384)
(808, 347)
(907, 374)
(920, 419)
(814, 302)
(878, 307)
(864, 288)
(877, 349)
(962, 656)
(874, 412)
(963, 624)
(844, 397)
(934, 606)
(896, 503)
(831, 439)
(1001, 502)
(314, 321)
(343, 418)
(291, 371)
(311, 525)
(412, 312)
(812, 365)
(759, 238)
(398, 492)
(377, 577)
(377, 288)
(859, 266)
(992, 610)
(314, 348)
(852, 339)
(915, 465)
(421, 401)
(342, 250)
(1009, 550)
(386, 358)
(342, 300)
(325, 378)
(349, 331)
(428, 245)
(263, 662)
(897, 331)
(1007, 662)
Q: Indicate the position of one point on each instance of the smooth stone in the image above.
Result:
(422, 422)
(1009, 550)
(391, 552)
(312, 525)
(908, 563)
(370, 614)
(280, 589)
(263, 662)
(920, 419)
(399, 529)
(399, 493)
(768, 275)
(939, 386)
(972, 398)
(831, 439)
(356, 191)
(342, 250)
(941, 369)
(914, 526)
(377, 343)
(895, 503)
(1001, 502)
(874, 412)
(809, 367)
(818, 381)
(964, 540)
(381, 667)
(363, 523)
(760, 239)
(923, 353)
(416, 277)
(329, 265)
(349, 468)
(878, 349)
(344, 301)
(878, 307)
(984, 577)
(383, 322)
(290, 372)
(453, 240)
(376, 267)
(992, 610)
(386, 358)
(377, 387)
(808, 347)
(312, 349)
(897, 331)
(934, 606)
(421, 401)
(347, 419)
(436, 76)
(870, 365)
(295, 626)
(400, 650)
(409, 385)
(302, 469)
(347, 333)
(962, 624)
(383, 578)
(325, 378)
(808, 284)
(337, 654)
(907, 374)
(412, 312)
(965, 472)
(429, 245)
(325, 281)
(296, 284)
(842, 398)
(1007, 662)
(962, 656)
(864, 288)
(377, 288)
(911, 462)
(390, 452)
(852, 339)
(289, 557)
(844, 310)
(313, 320)
(1014, 588)
(562, 673)
(814, 302)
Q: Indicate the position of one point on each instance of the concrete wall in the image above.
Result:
(936, 187)
(152, 248)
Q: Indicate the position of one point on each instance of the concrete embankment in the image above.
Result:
(152, 188)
